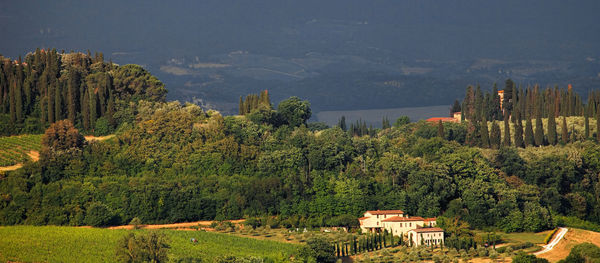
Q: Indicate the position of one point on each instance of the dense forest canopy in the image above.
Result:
(94, 95)
(173, 162)
(180, 163)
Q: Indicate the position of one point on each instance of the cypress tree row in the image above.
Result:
(47, 87)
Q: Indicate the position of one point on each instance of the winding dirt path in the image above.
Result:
(562, 231)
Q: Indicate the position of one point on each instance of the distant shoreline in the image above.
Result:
(375, 116)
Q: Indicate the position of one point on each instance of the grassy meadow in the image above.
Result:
(74, 244)
(14, 149)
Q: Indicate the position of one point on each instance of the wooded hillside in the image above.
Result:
(47, 86)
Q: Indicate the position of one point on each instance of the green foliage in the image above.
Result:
(294, 112)
(57, 244)
(148, 247)
(318, 249)
(14, 149)
(98, 214)
(586, 252)
(550, 235)
(525, 258)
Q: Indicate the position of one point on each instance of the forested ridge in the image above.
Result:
(47, 86)
(173, 162)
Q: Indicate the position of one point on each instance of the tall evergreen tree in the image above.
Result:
(598, 124)
(455, 108)
(529, 140)
(495, 136)
(484, 137)
(506, 141)
(586, 123)
(518, 133)
(342, 123)
(440, 131)
(507, 103)
(552, 136)
(564, 131)
(539, 131)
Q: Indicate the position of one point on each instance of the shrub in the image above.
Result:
(136, 222)
(549, 236)
(318, 249)
(149, 247)
(526, 258)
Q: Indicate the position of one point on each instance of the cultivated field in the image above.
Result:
(74, 244)
(16, 149)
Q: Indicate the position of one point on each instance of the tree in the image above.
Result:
(62, 136)
(539, 131)
(586, 123)
(552, 137)
(506, 131)
(318, 249)
(440, 131)
(403, 120)
(342, 123)
(598, 125)
(149, 247)
(529, 140)
(455, 108)
(526, 258)
(294, 111)
(484, 137)
(98, 214)
(519, 133)
(564, 131)
(495, 136)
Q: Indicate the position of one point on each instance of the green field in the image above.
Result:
(522, 237)
(14, 149)
(72, 244)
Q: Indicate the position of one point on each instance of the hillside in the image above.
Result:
(572, 238)
(58, 244)
(47, 86)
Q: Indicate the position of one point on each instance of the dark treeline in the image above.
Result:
(524, 109)
(46, 87)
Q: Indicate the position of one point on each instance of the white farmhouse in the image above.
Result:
(371, 222)
(426, 236)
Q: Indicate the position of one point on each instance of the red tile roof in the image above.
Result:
(429, 219)
(403, 219)
(428, 229)
(385, 212)
(443, 119)
(363, 218)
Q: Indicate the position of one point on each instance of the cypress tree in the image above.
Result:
(519, 133)
(598, 124)
(12, 102)
(529, 140)
(440, 132)
(506, 141)
(552, 137)
(495, 136)
(241, 107)
(50, 99)
(57, 104)
(564, 132)
(485, 136)
(539, 131)
(586, 123)
(342, 123)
